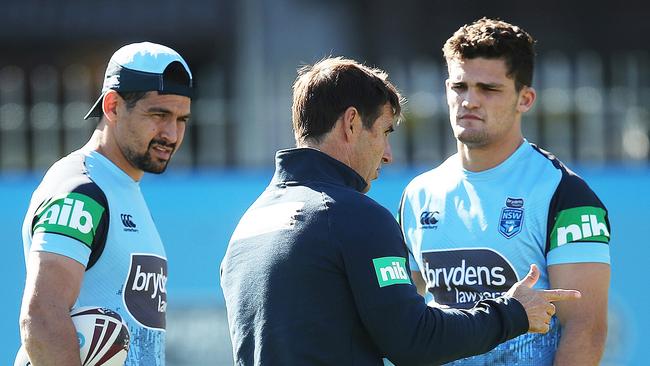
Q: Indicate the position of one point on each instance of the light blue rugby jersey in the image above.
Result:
(474, 234)
(86, 207)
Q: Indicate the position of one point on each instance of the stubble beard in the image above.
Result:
(145, 162)
(472, 139)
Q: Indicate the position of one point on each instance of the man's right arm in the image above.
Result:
(401, 324)
(51, 288)
(403, 327)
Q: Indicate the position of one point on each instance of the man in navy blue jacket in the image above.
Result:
(316, 271)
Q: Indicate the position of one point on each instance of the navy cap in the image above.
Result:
(142, 67)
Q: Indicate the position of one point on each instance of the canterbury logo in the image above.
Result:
(428, 218)
(127, 221)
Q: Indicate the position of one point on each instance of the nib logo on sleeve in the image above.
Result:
(576, 224)
(391, 271)
(75, 215)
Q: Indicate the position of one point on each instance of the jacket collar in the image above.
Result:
(302, 165)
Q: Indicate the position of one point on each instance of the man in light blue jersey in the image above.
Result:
(476, 223)
(88, 236)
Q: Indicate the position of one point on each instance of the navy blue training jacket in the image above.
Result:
(316, 273)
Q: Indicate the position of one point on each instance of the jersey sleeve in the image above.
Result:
(398, 321)
(578, 228)
(73, 223)
(407, 223)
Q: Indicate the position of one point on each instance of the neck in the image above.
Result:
(477, 159)
(327, 146)
(104, 143)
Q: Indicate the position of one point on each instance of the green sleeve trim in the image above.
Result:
(584, 223)
(74, 214)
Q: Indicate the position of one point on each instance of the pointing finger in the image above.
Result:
(561, 295)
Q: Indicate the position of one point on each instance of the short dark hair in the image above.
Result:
(132, 98)
(323, 91)
(495, 39)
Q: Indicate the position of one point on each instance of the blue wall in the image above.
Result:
(197, 212)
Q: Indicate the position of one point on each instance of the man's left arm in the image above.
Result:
(584, 321)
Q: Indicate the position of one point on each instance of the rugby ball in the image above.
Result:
(103, 338)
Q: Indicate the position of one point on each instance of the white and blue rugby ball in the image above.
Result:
(103, 338)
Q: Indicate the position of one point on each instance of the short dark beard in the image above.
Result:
(145, 162)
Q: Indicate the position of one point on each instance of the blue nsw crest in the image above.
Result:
(511, 221)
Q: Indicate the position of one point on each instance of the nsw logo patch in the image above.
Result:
(512, 217)
(391, 271)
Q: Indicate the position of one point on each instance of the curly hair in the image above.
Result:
(495, 39)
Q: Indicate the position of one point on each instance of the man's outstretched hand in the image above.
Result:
(538, 303)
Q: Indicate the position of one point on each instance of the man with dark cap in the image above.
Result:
(88, 236)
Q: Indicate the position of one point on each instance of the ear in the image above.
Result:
(352, 123)
(447, 89)
(110, 103)
(527, 96)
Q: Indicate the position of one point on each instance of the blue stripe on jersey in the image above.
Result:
(60, 244)
(581, 252)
